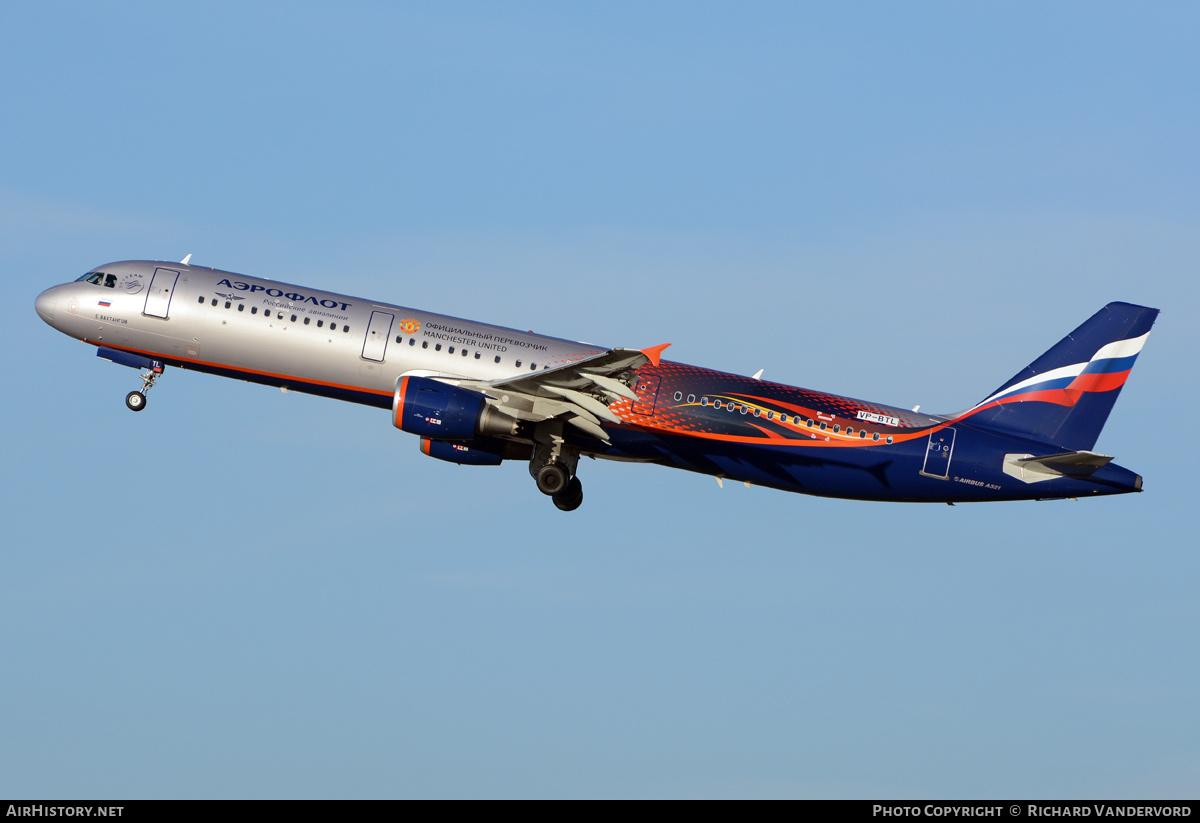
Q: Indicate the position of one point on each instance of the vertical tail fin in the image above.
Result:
(1064, 396)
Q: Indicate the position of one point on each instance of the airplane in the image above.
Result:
(478, 394)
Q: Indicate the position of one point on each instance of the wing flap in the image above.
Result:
(580, 392)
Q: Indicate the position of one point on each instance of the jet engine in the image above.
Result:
(461, 453)
(439, 411)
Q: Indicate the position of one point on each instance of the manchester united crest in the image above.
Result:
(410, 326)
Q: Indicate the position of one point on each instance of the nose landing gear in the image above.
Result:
(136, 400)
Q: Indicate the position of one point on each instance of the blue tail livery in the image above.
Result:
(478, 394)
(1064, 396)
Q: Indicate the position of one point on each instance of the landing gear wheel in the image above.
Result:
(135, 400)
(551, 479)
(570, 498)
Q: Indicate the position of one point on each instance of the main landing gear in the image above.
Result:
(136, 400)
(564, 489)
(553, 469)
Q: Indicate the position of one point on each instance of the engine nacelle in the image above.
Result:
(460, 453)
(440, 411)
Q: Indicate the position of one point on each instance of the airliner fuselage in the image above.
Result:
(479, 394)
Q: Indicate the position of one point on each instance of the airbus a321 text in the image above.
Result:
(478, 394)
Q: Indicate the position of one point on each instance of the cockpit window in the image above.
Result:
(99, 278)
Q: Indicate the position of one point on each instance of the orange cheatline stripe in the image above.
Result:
(292, 377)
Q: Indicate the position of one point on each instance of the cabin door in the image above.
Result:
(937, 454)
(158, 297)
(378, 333)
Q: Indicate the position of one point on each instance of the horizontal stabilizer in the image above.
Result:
(1077, 464)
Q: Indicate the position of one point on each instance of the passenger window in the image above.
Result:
(518, 364)
(691, 398)
(464, 351)
(241, 306)
(227, 304)
(497, 358)
(320, 323)
(451, 350)
(678, 396)
(476, 355)
(214, 301)
(533, 366)
(201, 301)
(824, 425)
(889, 439)
(412, 341)
(424, 344)
(306, 320)
(756, 412)
(438, 347)
(346, 329)
(293, 318)
(875, 437)
(809, 423)
(849, 430)
(862, 433)
(399, 339)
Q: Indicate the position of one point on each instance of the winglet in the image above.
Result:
(654, 352)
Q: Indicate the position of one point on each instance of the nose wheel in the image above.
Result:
(136, 400)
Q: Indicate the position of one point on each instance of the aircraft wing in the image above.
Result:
(579, 393)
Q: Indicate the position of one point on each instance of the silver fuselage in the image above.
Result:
(288, 335)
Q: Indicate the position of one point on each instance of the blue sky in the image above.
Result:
(241, 593)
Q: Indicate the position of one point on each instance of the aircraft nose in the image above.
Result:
(45, 304)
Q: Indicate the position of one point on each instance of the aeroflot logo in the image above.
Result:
(293, 296)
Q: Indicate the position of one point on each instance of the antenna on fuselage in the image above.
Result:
(185, 260)
(757, 375)
(917, 407)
